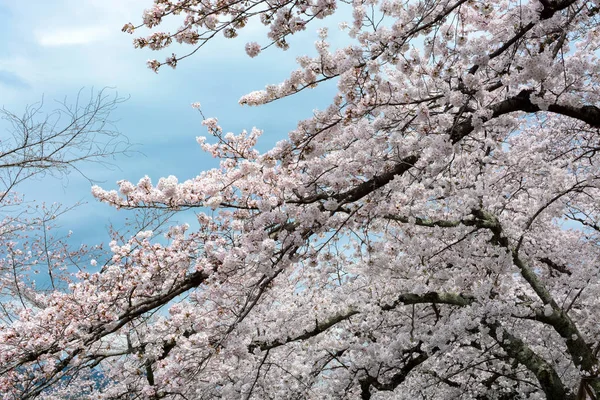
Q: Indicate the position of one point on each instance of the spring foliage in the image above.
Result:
(433, 233)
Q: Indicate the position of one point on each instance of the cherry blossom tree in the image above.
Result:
(34, 260)
(432, 234)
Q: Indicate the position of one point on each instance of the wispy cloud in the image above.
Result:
(8, 78)
(73, 36)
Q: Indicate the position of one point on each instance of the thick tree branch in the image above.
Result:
(581, 354)
(454, 299)
(554, 266)
(521, 102)
(413, 357)
(543, 371)
(319, 328)
(403, 299)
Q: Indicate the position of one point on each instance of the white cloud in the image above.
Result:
(73, 36)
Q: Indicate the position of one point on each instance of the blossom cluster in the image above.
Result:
(432, 233)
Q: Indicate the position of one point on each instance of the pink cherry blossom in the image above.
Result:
(432, 233)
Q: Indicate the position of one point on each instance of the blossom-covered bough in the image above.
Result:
(432, 234)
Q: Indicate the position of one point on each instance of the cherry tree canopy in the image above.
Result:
(432, 234)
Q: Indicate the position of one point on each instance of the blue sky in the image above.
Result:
(53, 48)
